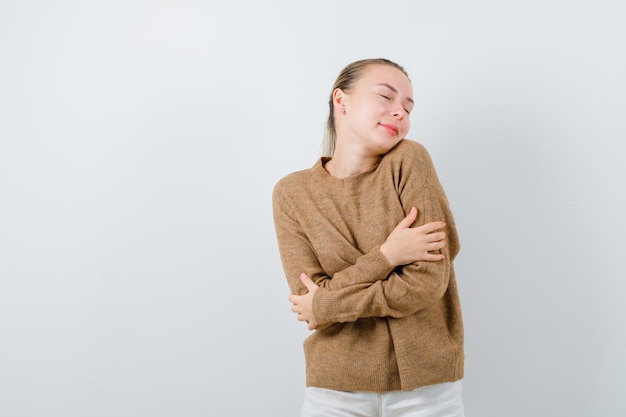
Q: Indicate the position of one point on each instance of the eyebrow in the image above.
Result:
(395, 91)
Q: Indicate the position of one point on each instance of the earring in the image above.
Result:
(343, 110)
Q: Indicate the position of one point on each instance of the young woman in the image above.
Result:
(367, 241)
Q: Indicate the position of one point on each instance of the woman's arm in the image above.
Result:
(408, 289)
(405, 244)
(299, 256)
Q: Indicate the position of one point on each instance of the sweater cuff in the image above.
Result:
(372, 267)
(375, 266)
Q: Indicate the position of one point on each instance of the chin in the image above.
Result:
(384, 146)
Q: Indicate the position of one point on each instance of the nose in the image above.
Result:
(398, 112)
(397, 109)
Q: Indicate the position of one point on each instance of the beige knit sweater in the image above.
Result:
(380, 329)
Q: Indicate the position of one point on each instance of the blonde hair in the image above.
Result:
(345, 80)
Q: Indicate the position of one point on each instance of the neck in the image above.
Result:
(349, 162)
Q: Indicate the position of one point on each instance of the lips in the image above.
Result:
(392, 129)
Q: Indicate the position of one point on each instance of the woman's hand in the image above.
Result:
(408, 244)
(303, 304)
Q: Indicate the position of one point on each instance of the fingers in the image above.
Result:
(435, 245)
(431, 227)
(308, 282)
(408, 220)
(297, 308)
(427, 228)
(434, 257)
(300, 304)
(434, 239)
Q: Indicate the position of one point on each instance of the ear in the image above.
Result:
(339, 99)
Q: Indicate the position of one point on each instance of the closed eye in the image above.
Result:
(385, 97)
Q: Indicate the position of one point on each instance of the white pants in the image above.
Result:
(440, 400)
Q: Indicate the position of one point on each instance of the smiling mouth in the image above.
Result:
(390, 128)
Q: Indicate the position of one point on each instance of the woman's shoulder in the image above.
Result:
(409, 147)
(411, 152)
(291, 180)
(297, 180)
(410, 162)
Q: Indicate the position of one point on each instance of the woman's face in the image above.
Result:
(377, 108)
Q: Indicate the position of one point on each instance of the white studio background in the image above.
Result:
(139, 144)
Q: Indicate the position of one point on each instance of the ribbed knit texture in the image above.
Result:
(380, 329)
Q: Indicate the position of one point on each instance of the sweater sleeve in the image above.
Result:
(298, 255)
(407, 289)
